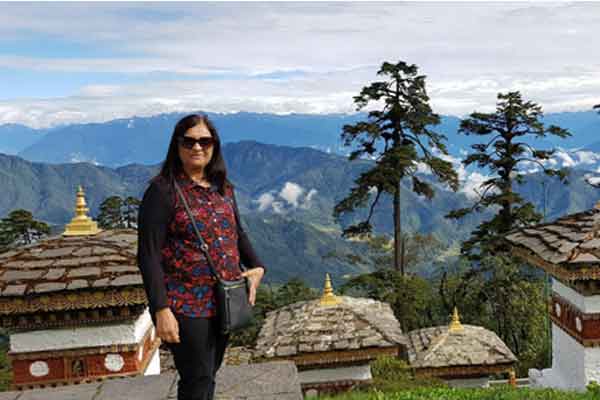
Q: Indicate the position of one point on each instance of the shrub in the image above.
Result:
(393, 374)
(594, 388)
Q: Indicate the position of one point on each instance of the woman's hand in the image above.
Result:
(167, 328)
(254, 275)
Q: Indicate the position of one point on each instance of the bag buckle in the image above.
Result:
(204, 247)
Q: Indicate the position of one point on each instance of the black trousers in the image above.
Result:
(198, 356)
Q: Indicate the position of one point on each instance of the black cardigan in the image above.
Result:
(155, 213)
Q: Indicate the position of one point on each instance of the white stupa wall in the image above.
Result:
(573, 365)
(358, 372)
(153, 367)
(586, 304)
(568, 357)
(84, 336)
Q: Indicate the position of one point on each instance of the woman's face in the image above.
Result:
(198, 157)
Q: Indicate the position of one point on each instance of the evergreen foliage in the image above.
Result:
(420, 251)
(503, 154)
(117, 213)
(502, 290)
(411, 297)
(399, 139)
(19, 228)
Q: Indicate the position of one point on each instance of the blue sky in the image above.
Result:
(79, 62)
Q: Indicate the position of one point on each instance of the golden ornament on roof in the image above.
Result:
(81, 224)
(455, 325)
(328, 298)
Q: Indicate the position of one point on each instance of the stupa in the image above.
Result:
(569, 250)
(331, 340)
(460, 354)
(75, 307)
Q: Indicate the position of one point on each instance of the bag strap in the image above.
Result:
(203, 245)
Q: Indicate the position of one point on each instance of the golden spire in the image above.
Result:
(328, 298)
(81, 224)
(455, 325)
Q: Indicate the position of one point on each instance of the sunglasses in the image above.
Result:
(189, 142)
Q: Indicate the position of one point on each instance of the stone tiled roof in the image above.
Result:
(72, 273)
(437, 347)
(60, 263)
(308, 327)
(571, 243)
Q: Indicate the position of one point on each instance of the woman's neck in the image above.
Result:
(196, 175)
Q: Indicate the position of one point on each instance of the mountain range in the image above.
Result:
(143, 140)
(286, 197)
(288, 178)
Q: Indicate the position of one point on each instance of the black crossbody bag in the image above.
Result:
(234, 311)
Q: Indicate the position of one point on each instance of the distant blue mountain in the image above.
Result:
(144, 139)
(15, 137)
(584, 127)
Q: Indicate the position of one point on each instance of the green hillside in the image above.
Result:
(292, 240)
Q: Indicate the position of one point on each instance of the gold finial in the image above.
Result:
(512, 378)
(328, 298)
(81, 224)
(455, 325)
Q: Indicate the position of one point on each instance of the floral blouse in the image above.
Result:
(174, 269)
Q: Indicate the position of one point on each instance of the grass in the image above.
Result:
(497, 393)
(393, 380)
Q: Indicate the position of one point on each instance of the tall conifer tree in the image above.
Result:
(513, 122)
(398, 137)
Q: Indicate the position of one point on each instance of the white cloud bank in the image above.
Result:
(471, 181)
(229, 57)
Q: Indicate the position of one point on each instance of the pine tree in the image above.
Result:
(19, 228)
(510, 125)
(131, 205)
(398, 138)
(111, 215)
(378, 252)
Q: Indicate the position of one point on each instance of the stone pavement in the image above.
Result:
(268, 381)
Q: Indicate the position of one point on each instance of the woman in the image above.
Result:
(176, 275)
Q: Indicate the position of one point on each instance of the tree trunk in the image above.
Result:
(397, 232)
(402, 253)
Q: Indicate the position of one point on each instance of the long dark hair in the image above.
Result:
(215, 170)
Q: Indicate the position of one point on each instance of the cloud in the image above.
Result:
(587, 157)
(471, 186)
(291, 192)
(564, 158)
(278, 207)
(308, 199)
(145, 59)
(265, 201)
(290, 197)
